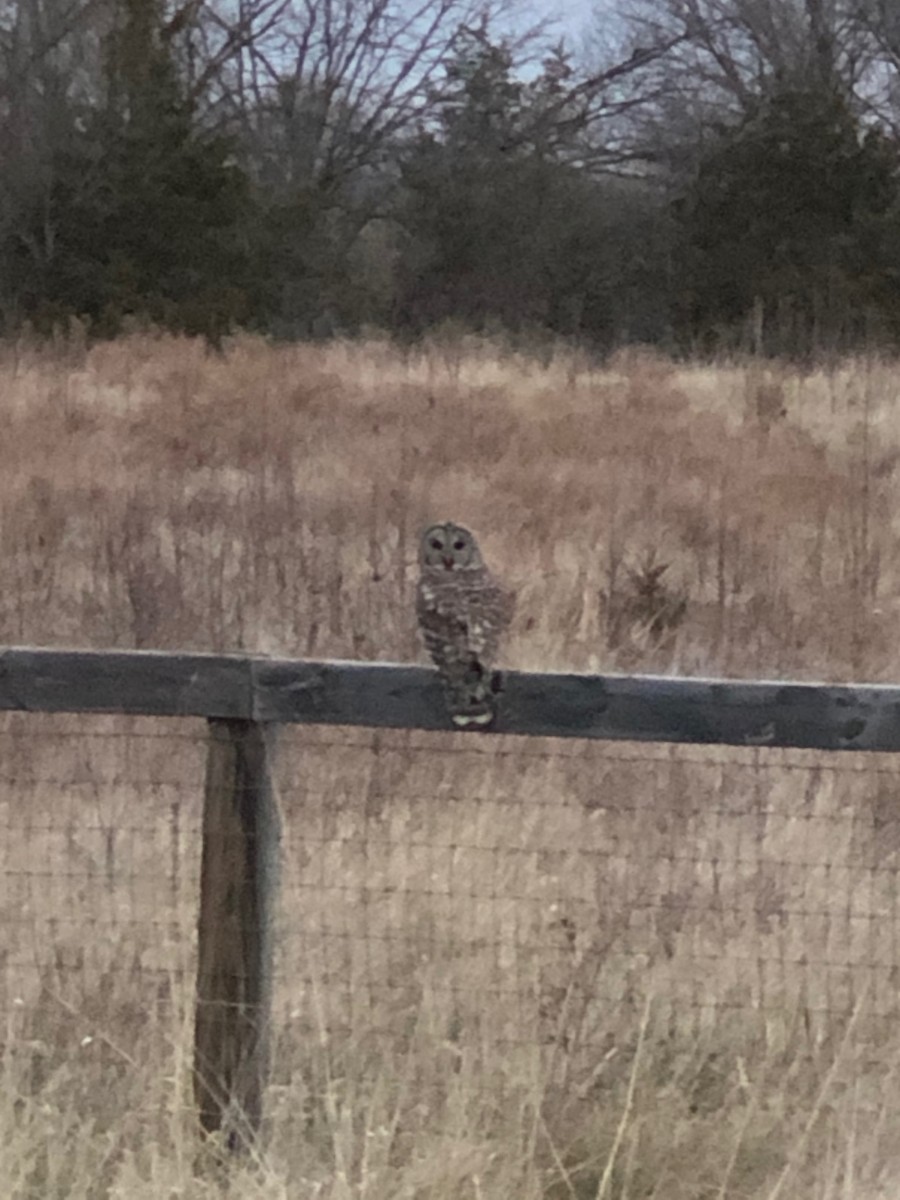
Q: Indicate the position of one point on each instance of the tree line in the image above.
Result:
(700, 174)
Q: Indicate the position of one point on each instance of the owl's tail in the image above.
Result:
(472, 696)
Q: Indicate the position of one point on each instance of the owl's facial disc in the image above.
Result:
(448, 547)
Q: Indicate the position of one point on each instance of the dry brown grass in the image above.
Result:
(505, 970)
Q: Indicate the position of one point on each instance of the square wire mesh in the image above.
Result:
(535, 892)
(99, 882)
(481, 893)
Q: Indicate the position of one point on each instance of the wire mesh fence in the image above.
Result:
(484, 897)
(537, 892)
(99, 861)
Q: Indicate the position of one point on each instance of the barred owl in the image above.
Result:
(462, 612)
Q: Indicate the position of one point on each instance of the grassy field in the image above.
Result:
(506, 969)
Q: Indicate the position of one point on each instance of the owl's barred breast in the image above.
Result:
(462, 615)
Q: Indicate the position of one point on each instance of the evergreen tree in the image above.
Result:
(148, 215)
(504, 225)
(795, 212)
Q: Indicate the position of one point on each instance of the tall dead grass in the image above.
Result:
(269, 500)
(577, 974)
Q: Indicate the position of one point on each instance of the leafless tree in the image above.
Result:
(723, 54)
(879, 21)
(317, 89)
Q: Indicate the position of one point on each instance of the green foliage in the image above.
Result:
(502, 226)
(798, 210)
(496, 213)
(142, 215)
(148, 230)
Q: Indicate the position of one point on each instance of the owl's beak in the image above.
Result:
(448, 563)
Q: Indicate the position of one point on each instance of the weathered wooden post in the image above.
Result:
(235, 937)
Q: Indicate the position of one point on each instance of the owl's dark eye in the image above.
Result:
(435, 544)
(459, 545)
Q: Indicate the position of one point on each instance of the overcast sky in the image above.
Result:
(574, 15)
(576, 18)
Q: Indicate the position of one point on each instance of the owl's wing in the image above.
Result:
(489, 610)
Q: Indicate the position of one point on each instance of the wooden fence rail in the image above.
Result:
(818, 716)
(244, 698)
